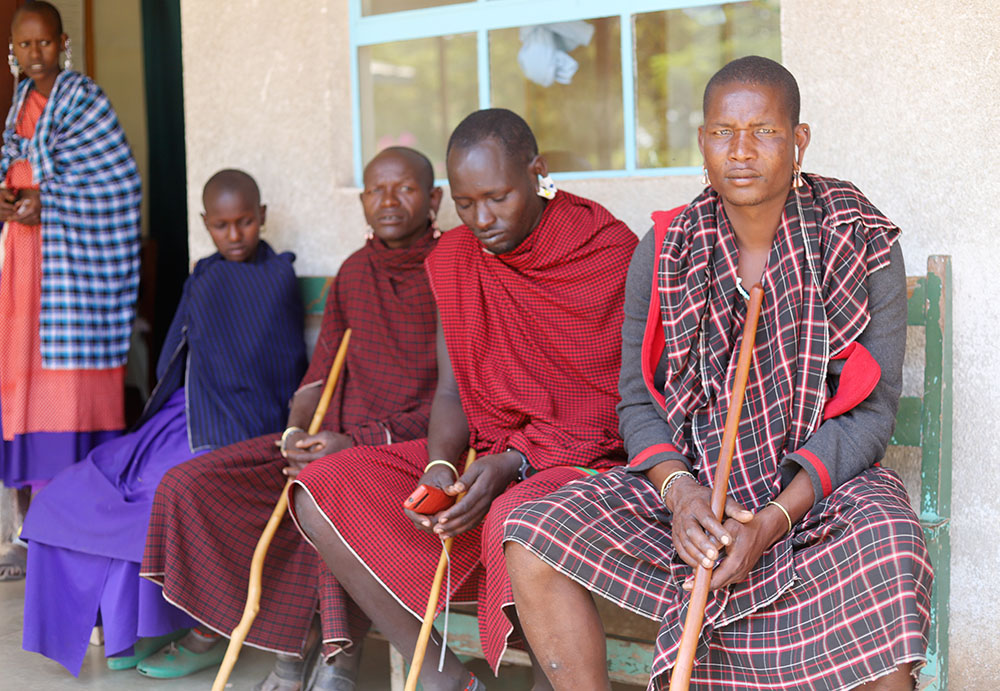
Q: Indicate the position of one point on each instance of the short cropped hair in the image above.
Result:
(40, 7)
(232, 180)
(424, 165)
(758, 71)
(504, 126)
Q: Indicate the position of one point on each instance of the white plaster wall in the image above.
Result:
(267, 89)
(903, 99)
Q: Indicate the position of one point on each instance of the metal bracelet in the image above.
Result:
(788, 516)
(441, 461)
(289, 431)
(670, 480)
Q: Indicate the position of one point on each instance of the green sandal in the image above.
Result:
(174, 661)
(143, 648)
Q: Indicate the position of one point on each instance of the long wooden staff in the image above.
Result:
(681, 675)
(432, 602)
(260, 552)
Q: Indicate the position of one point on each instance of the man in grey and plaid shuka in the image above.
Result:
(844, 597)
(91, 194)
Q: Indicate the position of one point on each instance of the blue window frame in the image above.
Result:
(479, 17)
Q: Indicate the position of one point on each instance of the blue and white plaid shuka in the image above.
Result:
(91, 193)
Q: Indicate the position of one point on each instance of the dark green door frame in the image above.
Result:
(166, 187)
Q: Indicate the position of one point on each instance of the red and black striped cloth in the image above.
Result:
(209, 513)
(534, 340)
(845, 598)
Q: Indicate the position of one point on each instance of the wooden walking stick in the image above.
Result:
(260, 552)
(680, 678)
(432, 602)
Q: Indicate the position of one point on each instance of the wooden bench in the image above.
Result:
(923, 422)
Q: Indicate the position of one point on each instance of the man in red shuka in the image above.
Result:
(529, 294)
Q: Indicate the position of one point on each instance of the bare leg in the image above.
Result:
(23, 501)
(395, 622)
(540, 682)
(560, 621)
(900, 680)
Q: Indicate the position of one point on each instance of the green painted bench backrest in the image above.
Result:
(923, 422)
(314, 290)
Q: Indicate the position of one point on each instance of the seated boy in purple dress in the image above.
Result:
(231, 361)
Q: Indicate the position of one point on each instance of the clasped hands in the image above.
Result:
(741, 539)
(24, 207)
(483, 481)
(301, 448)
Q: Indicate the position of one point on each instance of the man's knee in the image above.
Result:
(307, 513)
(523, 566)
(887, 521)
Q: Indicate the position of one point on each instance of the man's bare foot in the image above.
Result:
(285, 676)
(337, 674)
(13, 563)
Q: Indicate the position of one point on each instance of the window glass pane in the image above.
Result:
(414, 93)
(677, 52)
(382, 6)
(576, 116)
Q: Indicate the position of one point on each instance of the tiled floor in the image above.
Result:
(20, 670)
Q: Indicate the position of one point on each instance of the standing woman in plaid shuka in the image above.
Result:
(71, 263)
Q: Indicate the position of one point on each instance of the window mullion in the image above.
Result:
(628, 90)
(483, 67)
(354, 16)
(493, 14)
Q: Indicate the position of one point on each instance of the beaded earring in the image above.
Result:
(68, 62)
(704, 176)
(546, 187)
(797, 177)
(15, 69)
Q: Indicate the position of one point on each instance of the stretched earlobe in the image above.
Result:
(546, 187)
(432, 218)
(797, 176)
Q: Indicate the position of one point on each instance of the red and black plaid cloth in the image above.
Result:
(534, 339)
(209, 513)
(846, 597)
(816, 303)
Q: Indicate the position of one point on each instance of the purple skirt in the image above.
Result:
(87, 532)
(37, 457)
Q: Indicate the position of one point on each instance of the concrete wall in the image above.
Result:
(119, 69)
(903, 99)
(268, 91)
